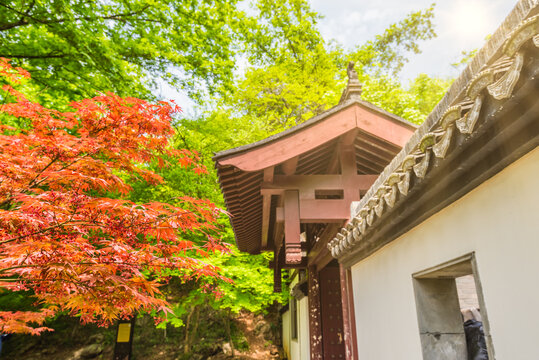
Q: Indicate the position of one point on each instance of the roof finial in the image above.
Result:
(353, 89)
(352, 74)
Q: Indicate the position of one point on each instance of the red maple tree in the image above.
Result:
(61, 238)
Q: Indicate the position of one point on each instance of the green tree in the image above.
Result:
(252, 287)
(294, 74)
(387, 52)
(75, 48)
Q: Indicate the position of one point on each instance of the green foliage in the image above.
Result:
(413, 103)
(287, 93)
(387, 52)
(75, 48)
(16, 301)
(293, 74)
(252, 289)
(279, 30)
(466, 57)
(428, 91)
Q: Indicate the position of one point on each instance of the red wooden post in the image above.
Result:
(277, 286)
(349, 173)
(315, 321)
(346, 318)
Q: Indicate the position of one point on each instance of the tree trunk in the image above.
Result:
(195, 326)
(186, 347)
(227, 327)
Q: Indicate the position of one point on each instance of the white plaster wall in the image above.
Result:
(303, 324)
(298, 349)
(286, 333)
(295, 348)
(499, 220)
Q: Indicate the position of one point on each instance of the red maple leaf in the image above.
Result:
(82, 253)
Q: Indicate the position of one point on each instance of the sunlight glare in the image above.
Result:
(471, 18)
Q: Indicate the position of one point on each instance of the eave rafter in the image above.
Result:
(266, 208)
(307, 199)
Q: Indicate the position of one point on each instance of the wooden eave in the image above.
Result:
(316, 132)
(373, 135)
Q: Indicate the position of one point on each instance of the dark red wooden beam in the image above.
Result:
(307, 184)
(315, 321)
(346, 319)
(266, 208)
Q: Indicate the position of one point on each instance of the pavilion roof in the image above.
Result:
(377, 137)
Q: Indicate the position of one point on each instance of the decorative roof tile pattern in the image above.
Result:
(494, 72)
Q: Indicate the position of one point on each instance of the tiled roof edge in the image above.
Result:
(432, 138)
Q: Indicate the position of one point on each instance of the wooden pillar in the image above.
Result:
(349, 172)
(351, 193)
(291, 227)
(347, 313)
(277, 286)
(266, 207)
(315, 321)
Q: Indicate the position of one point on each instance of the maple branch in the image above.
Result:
(53, 160)
(121, 263)
(90, 224)
(44, 56)
(74, 161)
(18, 267)
(72, 281)
(36, 233)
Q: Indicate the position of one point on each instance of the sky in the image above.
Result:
(460, 25)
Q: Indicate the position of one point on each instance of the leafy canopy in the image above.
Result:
(293, 74)
(77, 48)
(63, 239)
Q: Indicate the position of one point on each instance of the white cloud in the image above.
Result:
(460, 25)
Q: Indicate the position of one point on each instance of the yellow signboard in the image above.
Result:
(124, 332)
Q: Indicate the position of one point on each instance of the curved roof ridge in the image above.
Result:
(335, 109)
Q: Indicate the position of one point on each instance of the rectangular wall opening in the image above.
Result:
(451, 313)
(321, 194)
